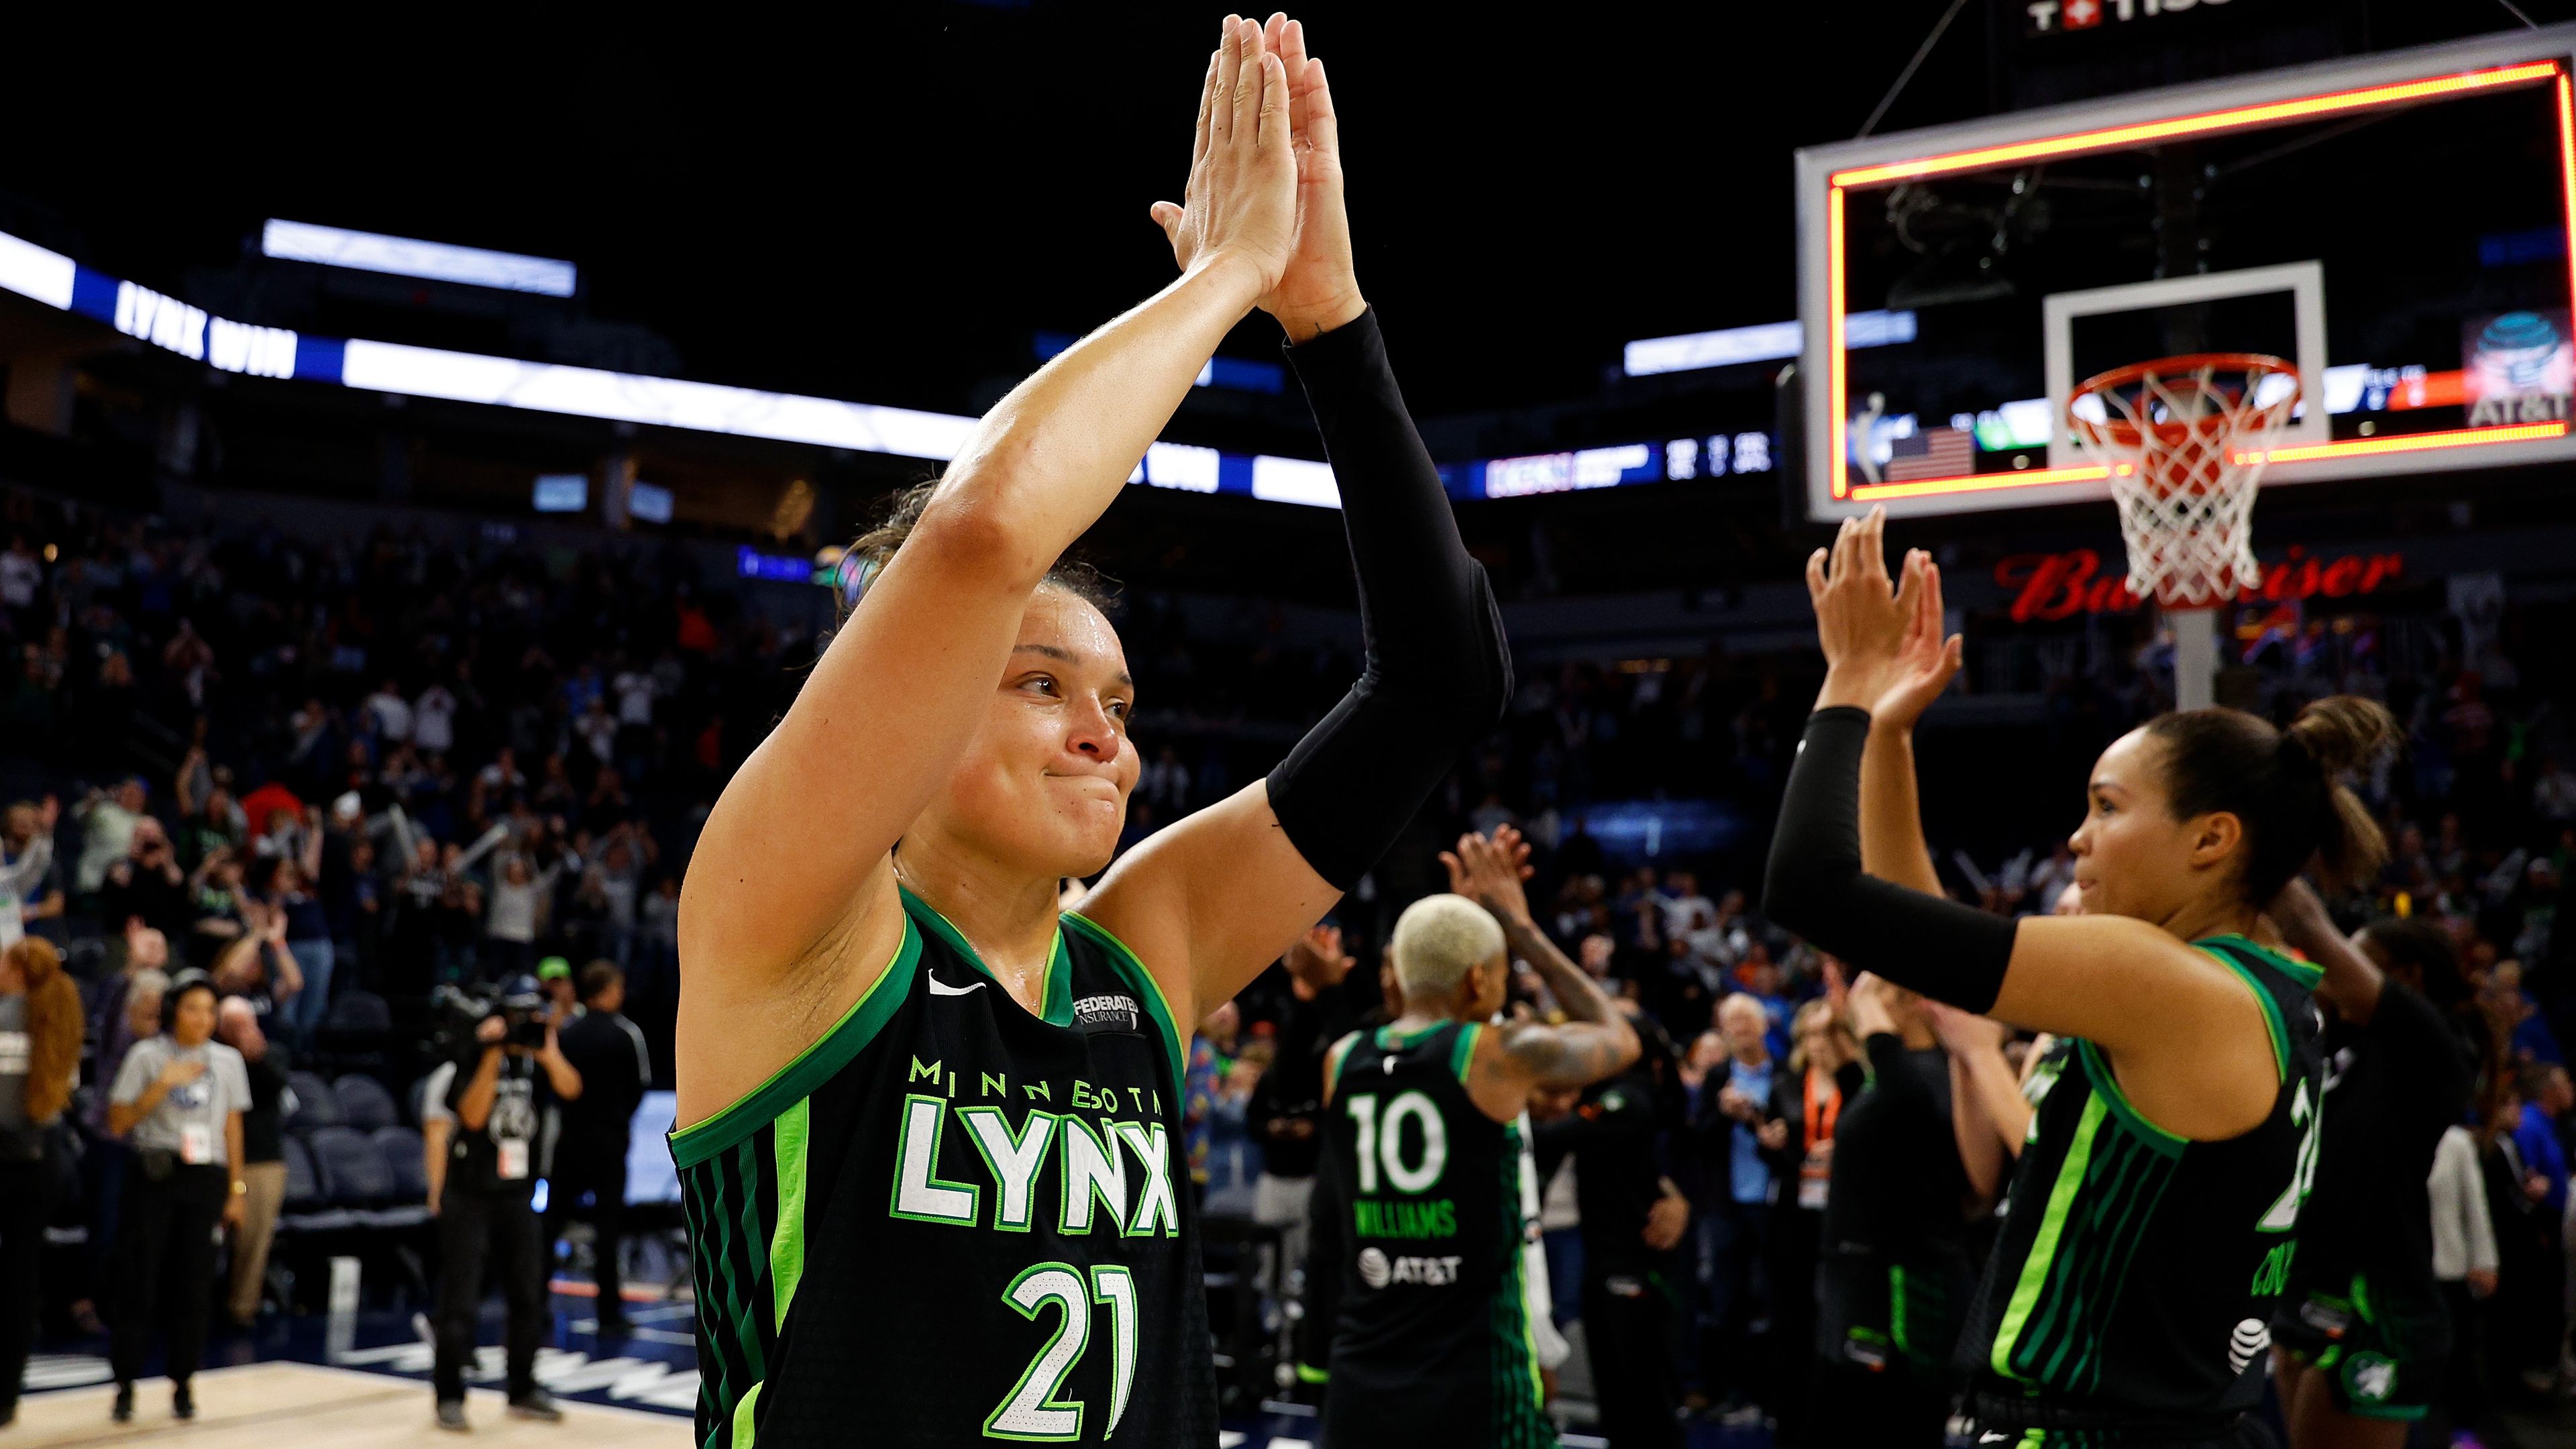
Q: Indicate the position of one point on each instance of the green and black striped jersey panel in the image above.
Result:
(748, 1252)
(2136, 1272)
(1519, 1416)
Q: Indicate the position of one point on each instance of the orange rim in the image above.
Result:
(2123, 433)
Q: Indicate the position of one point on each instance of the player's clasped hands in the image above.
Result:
(1241, 201)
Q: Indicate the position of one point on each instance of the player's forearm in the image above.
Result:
(1581, 996)
(1998, 1096)
(1044, 464)
(1972, 1128)
(2352, 980)
(1891, 817)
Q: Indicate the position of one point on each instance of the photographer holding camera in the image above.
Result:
(489, 1103)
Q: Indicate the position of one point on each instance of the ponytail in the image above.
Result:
(54, 1027)
(2284, 787)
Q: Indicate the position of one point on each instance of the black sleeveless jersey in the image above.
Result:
(951, 1222)
(1433, 1343)
(2135, 1278)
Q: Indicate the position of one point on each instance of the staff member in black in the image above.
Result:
(178, 1100)
(1893, 1275)
(497, 1094)
(588, 1179)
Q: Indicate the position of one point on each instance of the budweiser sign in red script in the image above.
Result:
(2062, 585)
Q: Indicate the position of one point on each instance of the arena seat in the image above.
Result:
(356, 1032)
(306, 1209)
(364, 1102)
(316, 1104)
(351, 1171)
(402, 1152)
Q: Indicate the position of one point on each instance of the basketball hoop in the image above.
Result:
(2185, 440)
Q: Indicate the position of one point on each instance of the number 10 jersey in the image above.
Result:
(952, 1222)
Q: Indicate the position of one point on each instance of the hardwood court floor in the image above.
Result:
(301, 1406)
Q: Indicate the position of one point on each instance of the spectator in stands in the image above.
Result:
(1731, 1128)
(31, 888)
(510, 928)
(259, 968)
(263, 1167)
(177, 1100)
(2526, 1316)
(493, 1100)
(210, 819)
(608, 1053)
(147, 887)
(1287, 1105)
(294, 901)
(1825, 1077)
(2464, 1265)
(107, 823)
(40, 1047)
(563, 996)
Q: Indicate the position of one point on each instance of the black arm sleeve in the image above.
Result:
(1815, 887)
(1438, 672)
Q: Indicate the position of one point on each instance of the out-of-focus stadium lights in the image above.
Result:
(367, 251)
(429, 372)
(1765, 343)
(648, 501)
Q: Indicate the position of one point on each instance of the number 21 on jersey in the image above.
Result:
(2284, 1212)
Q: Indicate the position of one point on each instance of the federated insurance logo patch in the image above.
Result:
(1109, 1012)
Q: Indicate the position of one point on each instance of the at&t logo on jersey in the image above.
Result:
(2247, 1343)
(1378, 1270)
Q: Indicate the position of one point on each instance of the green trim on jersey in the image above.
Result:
(812, 1067)
(1059, 993)
(745, 1430)
(1519, 1414)
(1337, 1057)
(2297, 970)
(787, 1239)
(2224, 948)
(2098, 1066)
(2043, 1249)
(1147, 989)
(1389, 1039)
(1463, 1051)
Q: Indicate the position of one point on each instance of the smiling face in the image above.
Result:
(2132, 857)
(1043, 787)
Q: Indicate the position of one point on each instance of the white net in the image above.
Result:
(2185, 440)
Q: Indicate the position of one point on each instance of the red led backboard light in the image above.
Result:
(2448, 85)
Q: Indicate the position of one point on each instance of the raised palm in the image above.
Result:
(1925, 662)
(1319, 288)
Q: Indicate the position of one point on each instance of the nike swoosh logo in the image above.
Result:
(942, 988)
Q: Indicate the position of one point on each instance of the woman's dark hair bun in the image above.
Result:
(2344, 732)
(2284, 786)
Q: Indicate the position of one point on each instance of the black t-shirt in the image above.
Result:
(500, 1157)
(1893, 1263)
(2392, 1088)
(608, 1051)
(1292, 1090)
(133, 889)
(262, 1123)
(1611, 1133)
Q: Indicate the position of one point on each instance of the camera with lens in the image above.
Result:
(461, 1011)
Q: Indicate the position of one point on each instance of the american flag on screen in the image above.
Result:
(1938, 452)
